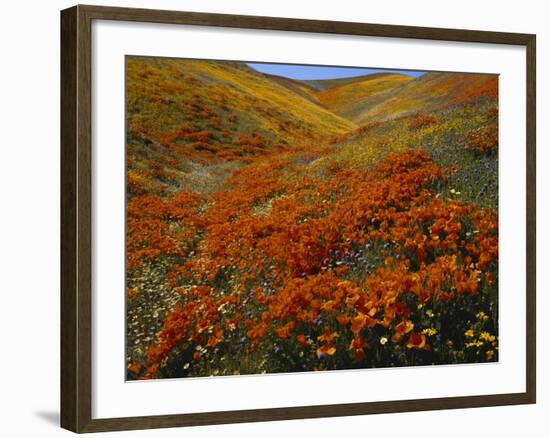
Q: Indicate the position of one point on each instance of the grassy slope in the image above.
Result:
(179, 111)
(427, 93)
(225, 88)
(325, 84)
(347, 99)
(301, 87)
(445, 136)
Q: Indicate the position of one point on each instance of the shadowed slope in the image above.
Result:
(300, 87)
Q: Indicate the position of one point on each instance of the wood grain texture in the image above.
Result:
(69, 329)
(76, 219)
(299, 25)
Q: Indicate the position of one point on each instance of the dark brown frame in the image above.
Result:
(76, 238)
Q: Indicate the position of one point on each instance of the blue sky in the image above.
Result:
(320, 72)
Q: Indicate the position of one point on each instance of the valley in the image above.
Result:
(282, 225)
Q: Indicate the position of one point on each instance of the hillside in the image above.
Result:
(303, 88)
(347, 99)
(430, 92)
(325, 84)
(213, 112)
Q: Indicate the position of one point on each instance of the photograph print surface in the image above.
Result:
(291, 218)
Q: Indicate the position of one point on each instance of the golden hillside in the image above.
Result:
(348, 99)
(433, 91)
(220, 105)
(191, 123)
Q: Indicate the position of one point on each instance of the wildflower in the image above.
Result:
(284, 331)
(429, 331)
(469, 333)
(358, 345)
(486, 336)
(482, 316)
(326, 349)
(401, 330)
(358, 322)
(417, 341)
(301, 340)
(327, 337)
(134, 368)
(477, 343)
(343, 320)
(383, 340)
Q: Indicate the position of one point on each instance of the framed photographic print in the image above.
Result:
(285, 210)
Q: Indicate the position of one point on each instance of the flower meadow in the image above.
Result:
(361, 246)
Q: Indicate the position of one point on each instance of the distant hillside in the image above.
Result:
(325, 84)
(348, 98)
(430, 92)
(301, 87)
(345, 97)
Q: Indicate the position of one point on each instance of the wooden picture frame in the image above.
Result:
(76, 218)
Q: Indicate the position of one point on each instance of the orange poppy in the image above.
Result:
(417, 341)
(401, 330)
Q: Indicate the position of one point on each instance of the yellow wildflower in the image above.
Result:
(482, 316)
(429, 331)
(487, 337)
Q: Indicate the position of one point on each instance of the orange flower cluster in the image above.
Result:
(485, 89)
(484, 139)
(421, 121)
(160, 227)
(321, 265)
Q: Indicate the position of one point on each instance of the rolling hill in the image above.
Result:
(184, 112)
(430, 92)
(303, 88)
(347, 98)
(325, 84)
(192, 123)
(227, 99)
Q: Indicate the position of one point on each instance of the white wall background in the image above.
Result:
(29, 218)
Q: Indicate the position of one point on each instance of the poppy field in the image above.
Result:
(283, 225)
